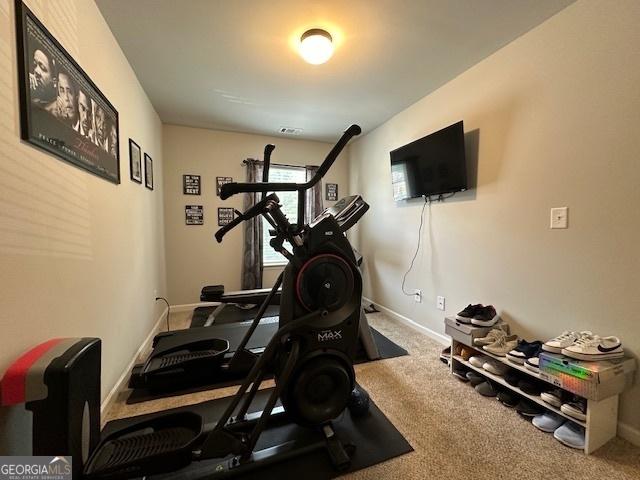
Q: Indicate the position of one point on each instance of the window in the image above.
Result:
(289, 202)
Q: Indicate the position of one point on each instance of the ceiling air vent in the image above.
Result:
(290, 130)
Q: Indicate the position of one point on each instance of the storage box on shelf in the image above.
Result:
(603, 388)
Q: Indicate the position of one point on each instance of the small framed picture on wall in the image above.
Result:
(148, 172)
(191, 184)
(331, 192)
(135, 161)
(221, 181)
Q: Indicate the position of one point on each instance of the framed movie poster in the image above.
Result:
(191, 184)
(193, 215)
(225, 216)
(331, 191)
(135, 161)
(148, 172)
(221, 181)
(61, 110)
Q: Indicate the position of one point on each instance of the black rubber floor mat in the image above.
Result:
(386, 347)
(375, 437)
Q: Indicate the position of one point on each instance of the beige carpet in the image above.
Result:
(456, 433)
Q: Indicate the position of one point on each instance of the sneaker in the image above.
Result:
(513, 377)
(503, 345)
(486, 389)
(527, 408)
(530, 386)
(445, 356)
(479, 360)
(532, 364)
(593, 348)
(565, 339)
(548, 422)
(495, 367)
(576, 408)
(461, 373)
(475, 378)
(553, 397)
(492, 336)
(524, 350)
(485, 317)
(571, 434)
(508, 398)
(468, 313)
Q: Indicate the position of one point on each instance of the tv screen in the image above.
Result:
(432, 165)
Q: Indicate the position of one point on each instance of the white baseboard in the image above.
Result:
(104, 406)
(190, 306)
(629, 433)
(438, 337)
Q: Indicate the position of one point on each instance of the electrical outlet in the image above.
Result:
(559, 217)
(440, 303)
(417, 296)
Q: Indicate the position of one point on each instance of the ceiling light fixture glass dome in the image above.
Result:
(316, 46)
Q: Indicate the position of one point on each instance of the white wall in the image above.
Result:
(80, 256)
(194, 258)
(552, 119)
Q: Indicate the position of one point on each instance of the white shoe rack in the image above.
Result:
(602, 416)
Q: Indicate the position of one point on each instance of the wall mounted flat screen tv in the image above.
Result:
(432, 165)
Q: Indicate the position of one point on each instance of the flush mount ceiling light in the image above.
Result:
(316, 46)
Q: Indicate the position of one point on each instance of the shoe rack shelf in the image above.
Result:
(602, 416)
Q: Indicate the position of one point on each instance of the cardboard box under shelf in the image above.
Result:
(465, 333)
(593, 380)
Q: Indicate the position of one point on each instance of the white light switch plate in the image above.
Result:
(559, 217)
(440, 304)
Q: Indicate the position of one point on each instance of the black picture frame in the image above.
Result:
(61, 110)
(191, 184)
(225, 216)
(193, 215)
(221, 181)
(135, 161)
(148, 171)
(331, 191)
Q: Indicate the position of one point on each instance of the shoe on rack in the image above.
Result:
(532, 364)
(571, 434)
(576, 408)
(460, 372)
(485, 317)
(466, 352)
(553, 397)
(530, 386)
(594, 348)
(479, 360)
(496, 367)
(486, 389)
(524, 350)
(565, 339)
(475, 378)
(468, 313)
(513, 377)
(496, 333)
(445, 356)
(548, 422)
(503, 345)
(527, 408)
(508, 398)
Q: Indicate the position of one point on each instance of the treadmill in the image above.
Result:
(216, 353)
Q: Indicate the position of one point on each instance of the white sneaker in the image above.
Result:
(565, 339)
(479, 360)
(495, 367)
(593, 348)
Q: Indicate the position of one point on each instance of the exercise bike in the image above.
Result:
(311, 356)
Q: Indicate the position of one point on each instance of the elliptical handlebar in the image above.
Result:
(254, 211)
(266, 162)
(229, 189)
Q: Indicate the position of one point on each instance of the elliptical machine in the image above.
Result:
(311, 354)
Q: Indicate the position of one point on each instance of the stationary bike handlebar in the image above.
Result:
(230, 189)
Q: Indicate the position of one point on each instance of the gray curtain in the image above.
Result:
(314, 196)
(252, 249)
